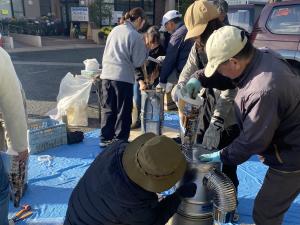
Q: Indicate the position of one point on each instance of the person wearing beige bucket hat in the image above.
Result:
(217, 126)
(121, 184)
(267, 106)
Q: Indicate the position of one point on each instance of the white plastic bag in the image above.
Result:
(72, 100)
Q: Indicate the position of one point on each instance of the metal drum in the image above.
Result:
(152, 111)
(199, 209)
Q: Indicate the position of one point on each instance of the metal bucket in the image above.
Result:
(152, 111)
(198, 209)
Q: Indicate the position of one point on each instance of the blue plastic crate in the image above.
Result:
(44, 134)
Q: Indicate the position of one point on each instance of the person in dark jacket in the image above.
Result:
(152, 37)
(217, 126)
(268, 113)
(121, 184)
(177, 51)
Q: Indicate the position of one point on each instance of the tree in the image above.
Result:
(183, 5)
(100, 10)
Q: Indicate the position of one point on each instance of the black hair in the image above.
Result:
(153, 34)
(248, 48)
(212, 25)
(222, 6)
(176, 20)
(135, 13)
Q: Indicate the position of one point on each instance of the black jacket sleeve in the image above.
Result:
(167, 208)
(139, 75)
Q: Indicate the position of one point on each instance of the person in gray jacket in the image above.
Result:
(268, 112)
(125, 50)
(217, 123)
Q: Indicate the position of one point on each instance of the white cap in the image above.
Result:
(172, 14)
(222, 45)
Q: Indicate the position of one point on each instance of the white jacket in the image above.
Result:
(11, 104)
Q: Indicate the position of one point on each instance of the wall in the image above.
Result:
(159, 11)
(32, 40)
(56, 8)
(5, 6)
(8, 42)
(170, 5)
(32, 11)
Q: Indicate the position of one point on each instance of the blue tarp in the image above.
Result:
(51, 182)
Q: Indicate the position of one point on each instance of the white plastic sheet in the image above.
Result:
(72, 100)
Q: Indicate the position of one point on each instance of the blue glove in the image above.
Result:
(212, 157)
(193, 87)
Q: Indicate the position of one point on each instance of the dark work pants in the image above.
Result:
(116, 106)
(227, 137)
(275, 197)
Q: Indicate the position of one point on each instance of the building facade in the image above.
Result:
(61, 9)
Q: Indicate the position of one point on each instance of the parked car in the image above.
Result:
(278, 28)
(244, 15)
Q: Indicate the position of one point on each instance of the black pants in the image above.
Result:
(116, 106)
(227, 137)
(275, 197)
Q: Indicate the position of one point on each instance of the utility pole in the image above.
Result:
(12, 9)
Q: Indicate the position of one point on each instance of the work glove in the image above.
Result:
(192, 87)
(212, 157)
(212, 135)
(166, 87)
(161, 86)
(187, 190)
(17, 173)
(175, 93)
(160, 59)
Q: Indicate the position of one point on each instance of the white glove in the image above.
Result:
(174, 93)
(169, 87)
(162, 86)
(212, 135)
(160, 58)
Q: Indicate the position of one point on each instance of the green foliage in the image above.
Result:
(106, 30)
(100, 10)
(184, 4)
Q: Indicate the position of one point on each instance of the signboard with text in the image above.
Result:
(80, 14)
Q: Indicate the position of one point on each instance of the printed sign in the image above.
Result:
(4, 12)
(80, 14)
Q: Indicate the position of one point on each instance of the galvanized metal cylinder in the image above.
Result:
(198, 209)
(152, 111)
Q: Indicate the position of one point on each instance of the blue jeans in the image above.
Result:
(137, 96)
(4, 191)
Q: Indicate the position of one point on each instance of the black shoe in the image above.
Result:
(177, 140)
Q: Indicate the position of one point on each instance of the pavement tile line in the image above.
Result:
(53, 48)
(46, 63)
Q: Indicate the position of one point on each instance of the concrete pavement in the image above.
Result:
(41, 71)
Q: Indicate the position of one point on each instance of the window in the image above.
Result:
(147, 5)
(45, 7)
(242, 18)
(285, 20)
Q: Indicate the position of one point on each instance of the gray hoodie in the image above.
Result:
(125, 50)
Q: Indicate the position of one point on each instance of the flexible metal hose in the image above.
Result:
(224, 195)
